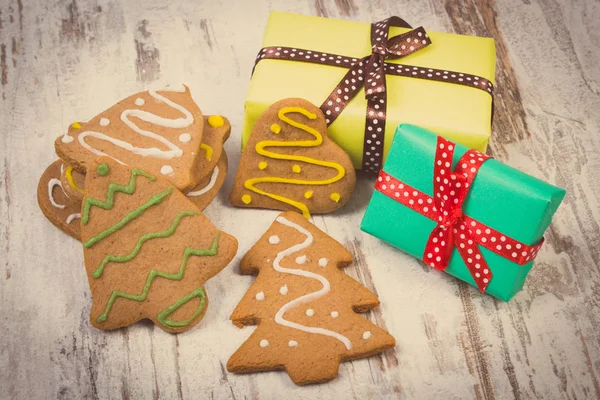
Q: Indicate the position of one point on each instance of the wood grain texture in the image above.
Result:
(67, 60)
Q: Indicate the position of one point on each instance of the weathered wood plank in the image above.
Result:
(68, 60)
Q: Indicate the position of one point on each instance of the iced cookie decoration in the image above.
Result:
(147, 249)
(57, 206)
(304, 306)
(290, 163)
(159, 131)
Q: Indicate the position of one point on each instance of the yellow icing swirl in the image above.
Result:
(71, 181)
(250, 184)
(208, 150)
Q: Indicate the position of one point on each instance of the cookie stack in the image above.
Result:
(130, 185)
(142, 171)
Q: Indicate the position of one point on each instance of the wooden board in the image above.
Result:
(63, 61)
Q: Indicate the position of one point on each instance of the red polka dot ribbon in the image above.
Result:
(454, 229)
(370, 72)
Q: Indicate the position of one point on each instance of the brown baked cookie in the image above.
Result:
(304, 306)
(216, 132)
(159, 131)
(290, 163)
(61, 210)
(203, 194)
(147, 249)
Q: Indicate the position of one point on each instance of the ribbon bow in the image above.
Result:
(370, 72)
(454, 229)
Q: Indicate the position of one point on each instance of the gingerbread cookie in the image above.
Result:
(203, 194)
(147, 249)
(159, 131)
(304, 306)
(290, 163)
(216, 132)
(57, 206)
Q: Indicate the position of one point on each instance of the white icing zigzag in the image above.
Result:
(176, 123)
(308, 297)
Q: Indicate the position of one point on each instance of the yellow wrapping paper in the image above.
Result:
(460, 113)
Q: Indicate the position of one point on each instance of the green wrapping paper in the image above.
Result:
(511, 202)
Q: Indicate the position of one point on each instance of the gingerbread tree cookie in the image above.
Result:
(159, 131)
(304, 306)
(290, 163)
(147, 249)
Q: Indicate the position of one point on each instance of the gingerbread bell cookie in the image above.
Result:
(158, 131)
(290, 163)
(58, 207)
(147, 249)
(304, 306)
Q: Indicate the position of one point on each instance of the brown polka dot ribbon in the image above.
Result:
(454, 229)
(370, 72)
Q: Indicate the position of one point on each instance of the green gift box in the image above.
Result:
(515, 207)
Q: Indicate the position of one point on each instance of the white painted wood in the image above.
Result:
(67, 60)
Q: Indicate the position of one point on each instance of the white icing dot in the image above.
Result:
(274, 239)
(292, 343)
(283, 289)
(260, 296)
(301, 260)
(323, 262)
(67, 139)
(366, 335)
(104, 121)
(264, 343)
(166, 170)
(335, 314)
(139, 102)
(185, 137)
(310, 312)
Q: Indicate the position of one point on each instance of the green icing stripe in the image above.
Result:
(162, 317)
(166, 233)
(110, 197)
(174, 277)
(156, 199)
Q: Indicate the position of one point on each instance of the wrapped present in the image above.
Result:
(369, 78)
(460, 211)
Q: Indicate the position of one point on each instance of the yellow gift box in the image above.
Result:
(460, 113)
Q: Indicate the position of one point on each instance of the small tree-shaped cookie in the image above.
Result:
(147, 248)
(304, 306)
